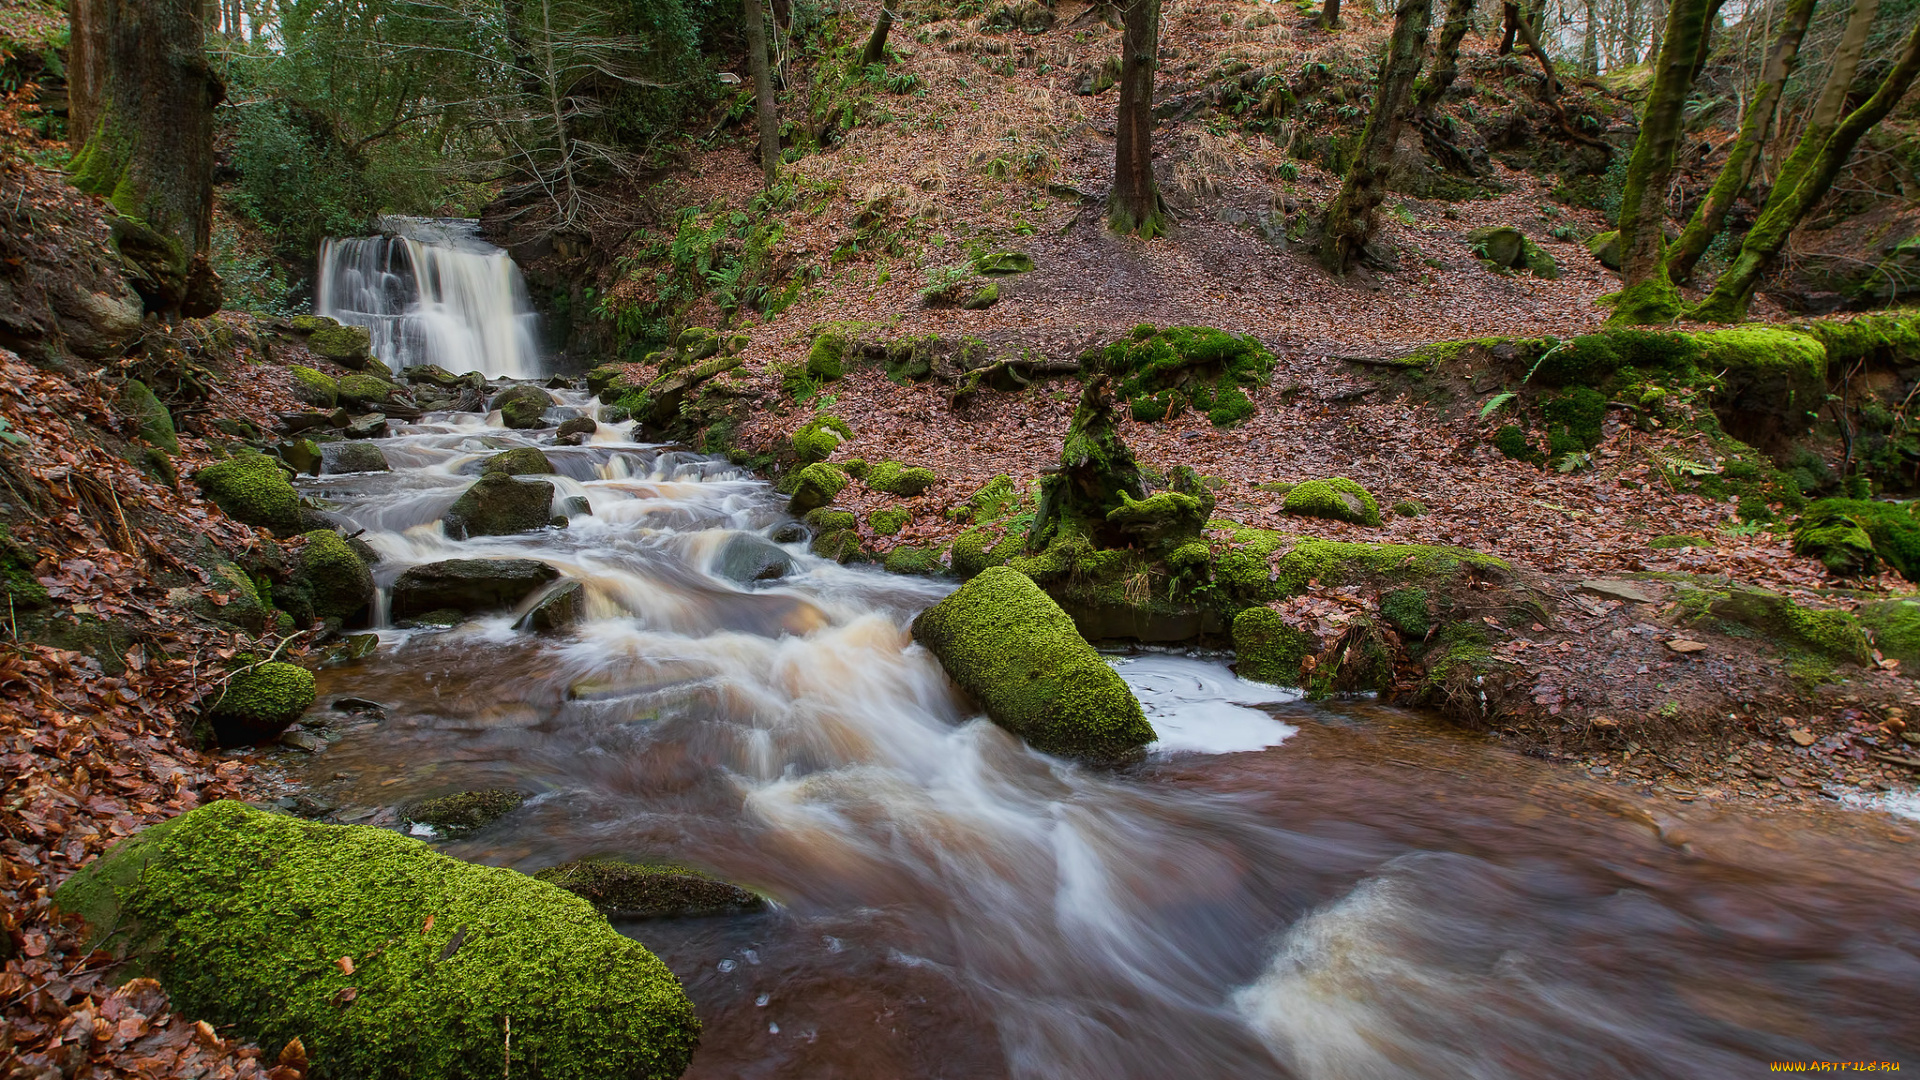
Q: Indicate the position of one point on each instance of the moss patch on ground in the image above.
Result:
(1163, 372)
(1337, 498)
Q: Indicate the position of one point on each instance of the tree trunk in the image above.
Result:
(876, 50)
(1787, 207)
(1711, 215)
(1517, 23)
(1446, 55)
(1330, 15)
(1349, 223)
(1648, 296)
(1135, 206)
(1833, 96)
(763, 103)
(1590, 43)
(142, 99)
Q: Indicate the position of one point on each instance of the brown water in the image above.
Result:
(1304, 891)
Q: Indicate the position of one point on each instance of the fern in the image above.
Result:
(1498, 402)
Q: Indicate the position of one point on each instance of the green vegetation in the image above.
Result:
(1337, 498)
(151, 420)
(1256, 566)
(888, 522)
(640, 891)
(1851, 537)
(1267, 649)
(818, 438)
(519, 461)
(316, 388)
(896, 479)
(252, 488)
(816, 486)
(383, 957)
(336, 579)
(464, 810)
(1163, 372)
(259, 701)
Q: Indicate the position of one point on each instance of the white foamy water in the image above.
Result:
(1199, 705)
(430, 291)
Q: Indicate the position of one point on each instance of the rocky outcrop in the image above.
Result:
(468, 585)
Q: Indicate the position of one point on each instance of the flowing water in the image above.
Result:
(431, 291)
(1284, 889)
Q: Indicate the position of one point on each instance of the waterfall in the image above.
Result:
(431, 291)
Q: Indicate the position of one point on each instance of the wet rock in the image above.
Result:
(558, 610)
(521, 407)
(468, 585)
(816, 486)
(259, 702)
(367, 426)
(252, 488)
(335, 580)
(301, 455)
(579, 427)
(356, 457)
(559, 382)
(356, 706)
(439, 618)
(464, 811)
(366, 391)
(573, 506)
(603, 378)
(1632, 592)
(635, 891)
(304, 741)
(790, 533)
(316, 388)
(295, 423)
(348, 346)
(499, 505)
(746, 557)
(520, 461)
(431, 375)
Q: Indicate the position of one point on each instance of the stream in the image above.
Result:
(1284, 889)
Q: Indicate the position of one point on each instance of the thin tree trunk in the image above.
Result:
(1330, 15)
(876, 50)
(763, 103)
(1711, 215)
(1833, 96)
(1590, 43)
(1532, 42)
(1135, 205)
(1446, 55)
(1648, 297)
(1349, 223)
(142, 99)
(1786, 208)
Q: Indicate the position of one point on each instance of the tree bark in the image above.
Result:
(1786, 208)
(1833, 96)
(876, 50)
(1349, 223)
(1446, 55)
(142, 99)
(1711, 215)
(763, 103)
(1518, 23)
(1135, 206)
(1330, 15)
(1648, 297)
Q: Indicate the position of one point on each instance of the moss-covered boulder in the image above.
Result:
(252, 488)
(336, 578)
(1834, 635)
(606, 377)
(637, 891)
(499, 505)
(1161, 372)
(1895, 625)
(1258, 566)
(815, 487)
(888, 521)
(561, 607)
(1605, 247)
(1503, 248)
(259, 702)
(382, 956)
(355, 456)
(521, 407)
(363, 391)
(468, 585)
(151, 420)
(316, 388)
(464, 811)
(895, 478)
(1851, 537)
(348, 346)
(1161, 521)
(1266, 649)
(915, 559)
(1338, 498)
(519, 461)
(818, 438)
(1007, 643)
(1003, 262)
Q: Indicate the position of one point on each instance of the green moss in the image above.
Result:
(337, 581)
(888, 522)
(1895, 625)
(519, 461)
(465, 810)
(246, 918)
(1161, 521)
(824, 520)
(1832, 530)
(341, 344)
(364, 389)
(827, 359)
(1337, 498)
(818, 438)
(1410, 508)
(252, 488)
(1267, 649)
(1003, 262)
(840, 545)
(260, 701)
(1009, 645)
(983, 298)
(605, 378)
(1162, 371)
(1781, 371)
(1834, 635)
(909, 559)
(638, 891)
(1663, 543)
(896, 479)
(1407, 611)
(316, 388)
(816, 486)
(994, 498)
(1511, 440)
(1653, 302)
(1893, 336)
(981, 547)
(1230, 406)
(23, 591)
(1574, 420)
(151, 420)
(1255, 566)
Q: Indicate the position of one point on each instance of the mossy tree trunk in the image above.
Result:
(1711, 215)
(1349, 223)
(876, 50)
(1097, 474)
(1135, 206)
(1519, 25)
(1648, 297)
(1785, 209)
(1446, 55)
(1330, 15)
(141, 100)
(755, 16)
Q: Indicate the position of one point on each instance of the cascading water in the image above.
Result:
(431, 291)
(1283, 890)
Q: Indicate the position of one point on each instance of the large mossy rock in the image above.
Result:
(151, 420)
(354, 456)
(1006, 642)
(1266, 649)
(260, 702)
(1337, 498)
(521, 407)
(818, 438)
(348, 346)
(252, 488)
(382, 956)
(338, 582)
(468, 585)
(1851, 537)
(316, 388)
(1834, 635)
(520, 461)
(361, 391)
(895, 478)
(815, 487)
(499, 505)
(639, 891)
(1504, 248)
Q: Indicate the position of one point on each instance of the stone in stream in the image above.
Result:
(499, 505)
(521, 406)
(259, 702)
(384, 957)
(520, 461)
(636, 891)
(557, 610)
(468, 585)
(576, 431)
(334, 577)
(356, 457)
(301, 455)
(464, 811)
(367, 426)
(747, 557)
(1007, 643)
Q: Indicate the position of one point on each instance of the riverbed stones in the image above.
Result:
(339, 585)
(815, 487)
(520, 461)
(366, 426)
(464, 811)
(576, 431)
(468, 585)
(499, 505)
(348, 346)
(382, 956)
(259, 702)
(521, 407)
(625, 890)
(355, 457)
(557, 610)
(748, 557)
(1005, 642)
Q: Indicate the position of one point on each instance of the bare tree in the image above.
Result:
(763, 103)
(1135, 206)
(876, 50)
